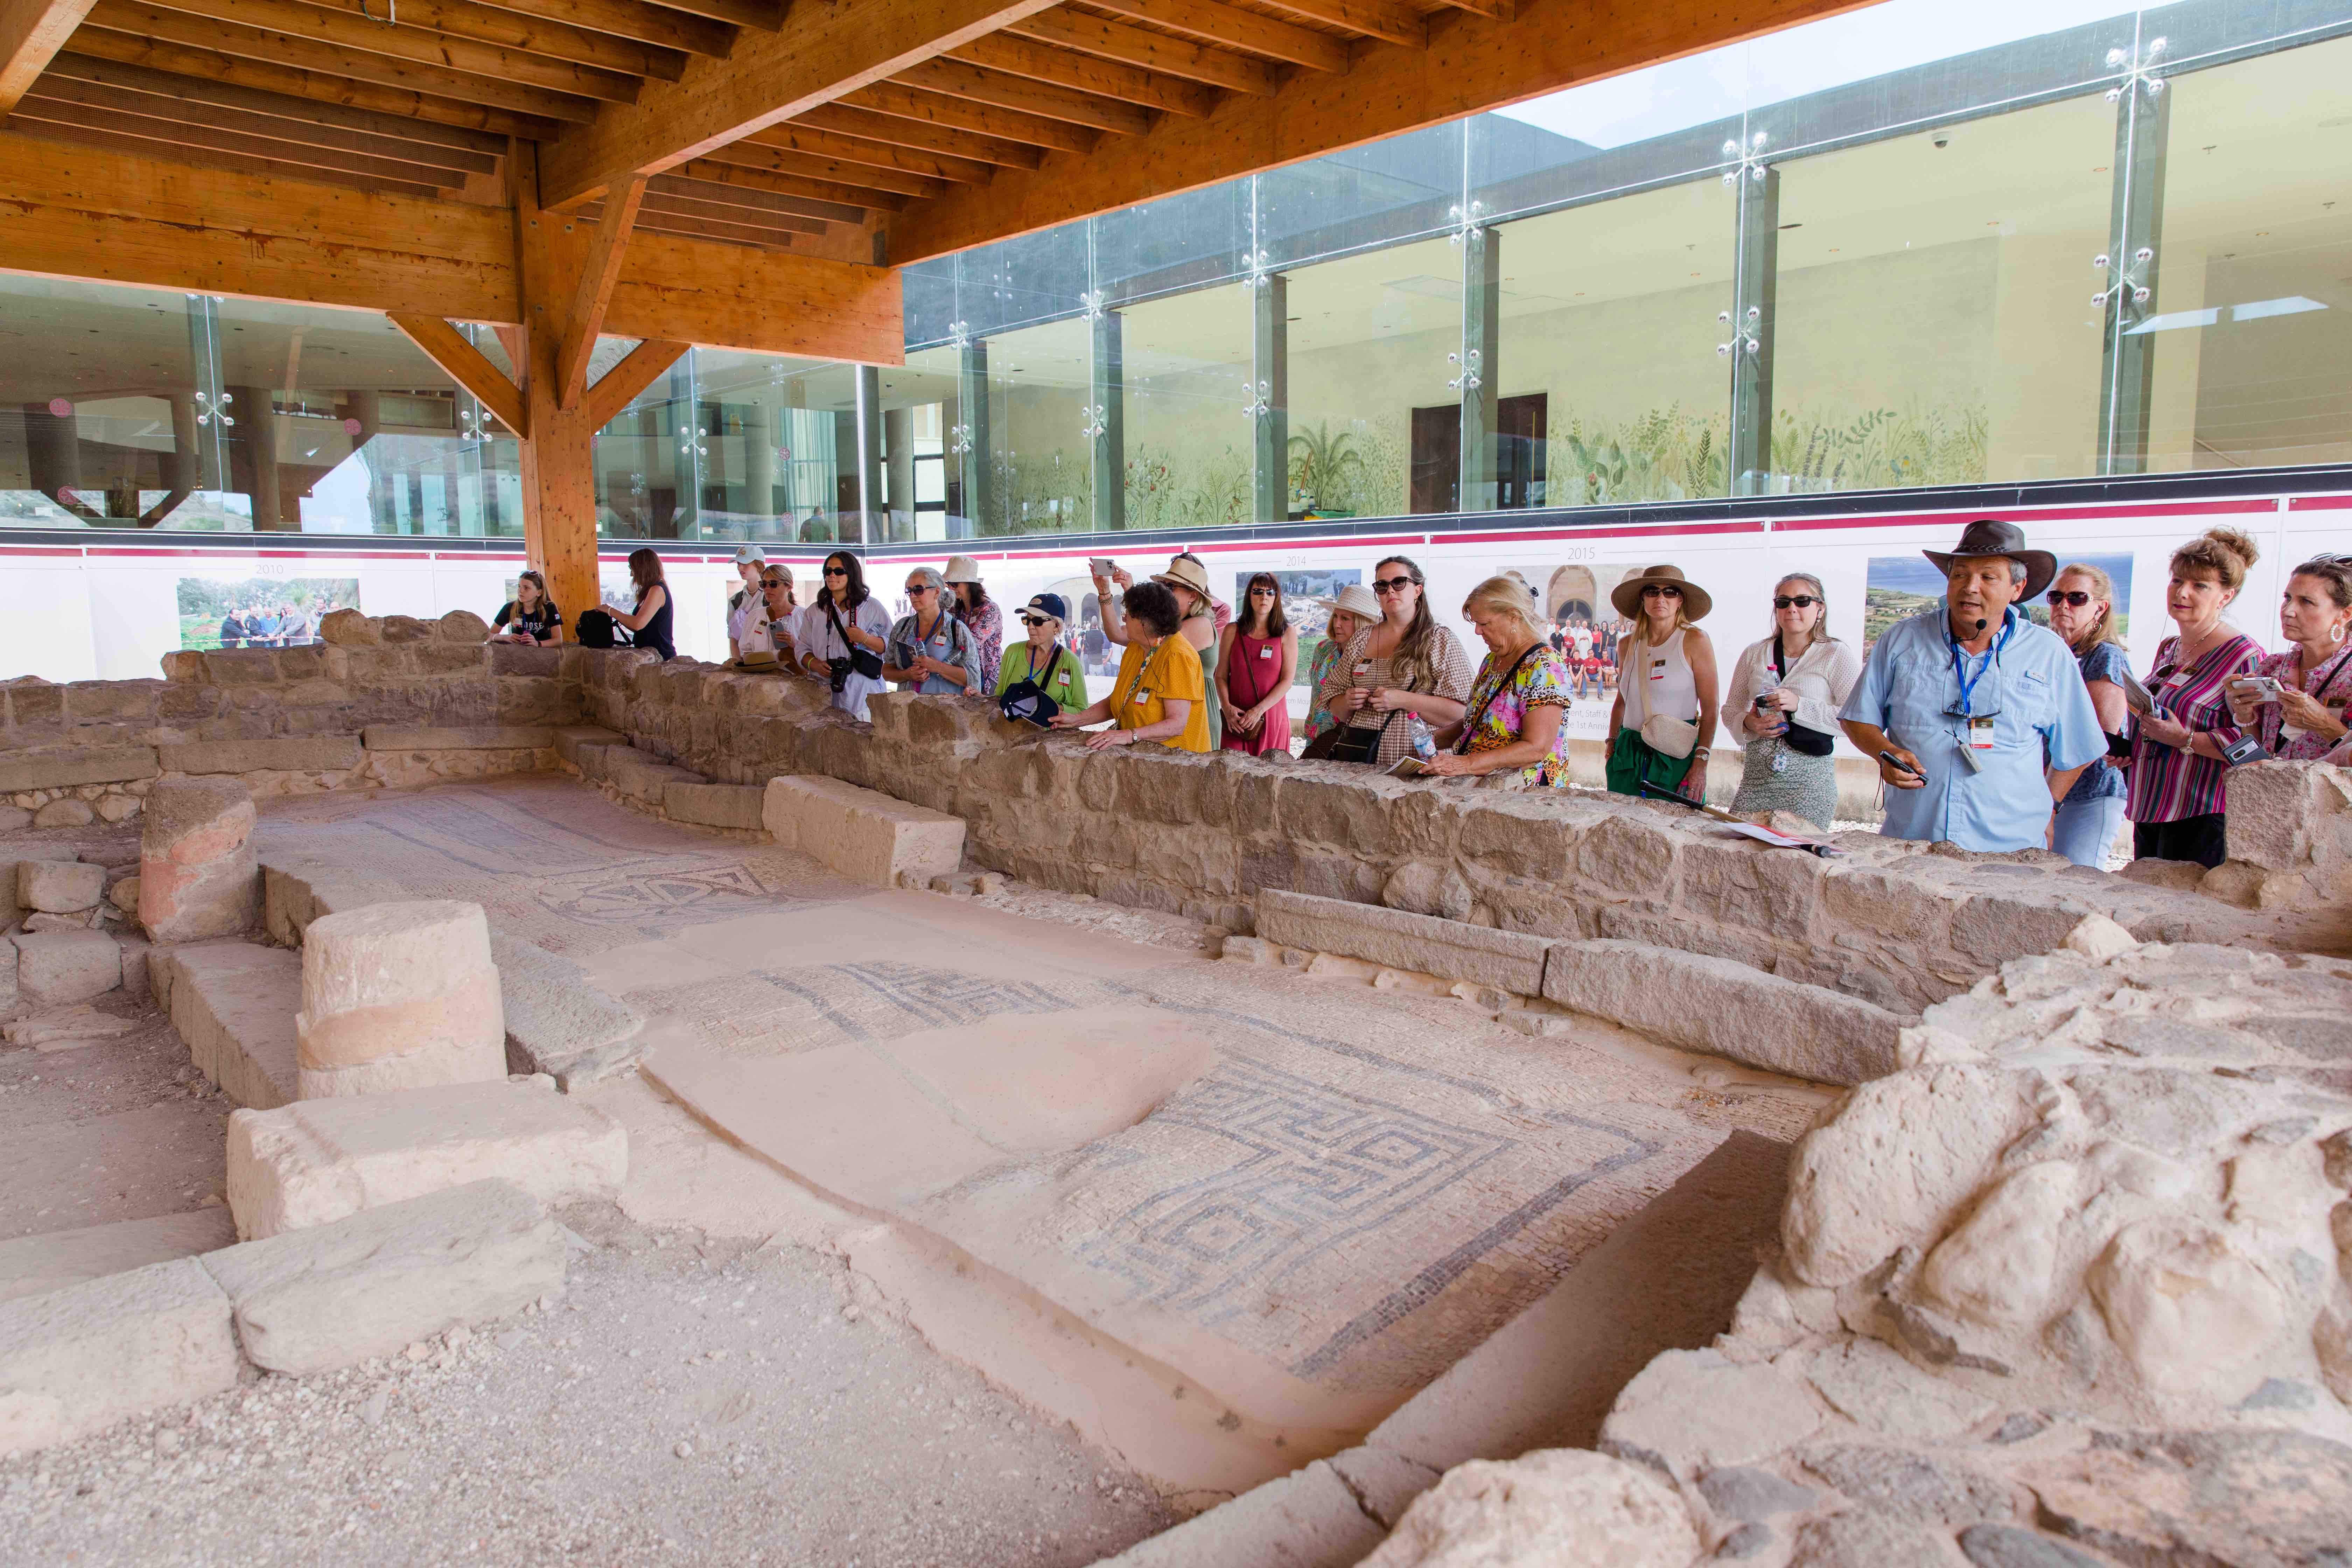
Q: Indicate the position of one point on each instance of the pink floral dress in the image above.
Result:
(1498, 709)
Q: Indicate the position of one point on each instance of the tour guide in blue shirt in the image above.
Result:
(1970, 693)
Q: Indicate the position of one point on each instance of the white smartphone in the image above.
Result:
(2264, 688)
(1099, 565)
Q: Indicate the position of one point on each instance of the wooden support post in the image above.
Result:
(595, 289)
(558, 470)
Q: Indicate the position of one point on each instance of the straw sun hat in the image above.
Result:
(1183, 574)
(1627, 595)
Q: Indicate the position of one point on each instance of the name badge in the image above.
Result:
(1981, 734)
(1657, 669)
(1265, 653)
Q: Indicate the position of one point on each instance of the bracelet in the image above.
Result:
(1702, 751)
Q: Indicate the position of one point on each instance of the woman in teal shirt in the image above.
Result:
(1056, 670)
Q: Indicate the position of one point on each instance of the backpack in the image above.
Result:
(597, 628)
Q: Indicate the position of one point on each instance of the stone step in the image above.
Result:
(312, 1300)
(458, 738)
(861, 833)
(1508, 960)
(570, 738)
(296, 890)
(320, 1161)
(558, 1022)
(717, 804)
(233, 1004)
(307, 753)
(641, 776)
(32, 1265)
(79, 1359)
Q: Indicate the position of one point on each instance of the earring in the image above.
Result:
(2338, 635)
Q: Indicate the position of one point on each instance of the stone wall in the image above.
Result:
(1898, 924)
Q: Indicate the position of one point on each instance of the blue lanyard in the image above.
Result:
(1968, 683)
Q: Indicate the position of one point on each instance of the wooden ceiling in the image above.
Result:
(860, 130)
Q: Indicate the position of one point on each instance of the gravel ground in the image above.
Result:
(686, 1401)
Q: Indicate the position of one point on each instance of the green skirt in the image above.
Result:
(1633, 762)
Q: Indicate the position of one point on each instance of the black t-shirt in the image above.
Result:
(537, 621)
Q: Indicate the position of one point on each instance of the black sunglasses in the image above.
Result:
(1391, 584)
(913, 589)
(774, 582)
(836, 571)
(1030, 618)
(2074, 596)
(1793, 601)
(1655, 591)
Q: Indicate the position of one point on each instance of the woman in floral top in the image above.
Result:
(2305, 720)
(1519, 704)
(1353, 611)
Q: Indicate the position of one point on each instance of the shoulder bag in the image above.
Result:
(865, 663)
(1470, 724)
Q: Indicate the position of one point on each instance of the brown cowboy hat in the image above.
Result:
(1989, 536)
(1627, 595)
(1183, 574)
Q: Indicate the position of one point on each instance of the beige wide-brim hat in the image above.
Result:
(1356, 600)
(960, 569)
(1183, 574)
(1627, 595)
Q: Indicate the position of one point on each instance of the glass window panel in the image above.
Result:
(747, 475)
(1187, 439)
(927, 298)
(2201, 28)
(647, 461)
(1367, 196)
(915, 400)
(1034, 277)
(1039, 380)
(1375, 429)
(1178, 242)
(1933, 320)
(2252, 318)
(1608, 385)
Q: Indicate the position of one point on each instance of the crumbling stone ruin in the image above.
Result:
(1908, 1206)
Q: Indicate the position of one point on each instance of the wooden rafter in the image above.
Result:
(859, 198)
(768, 16)
(684, 226)
(1047, 101)
(275, 47)
(665, 26)
(555, 39)
(456, 141)
(1213, 22)
(595, 290)
(31, 33)
(955, 125)
(117, 118)
(1081, 73)
(1124, 41)
(418, 45)
(468, 366)
(421, 154)
(616, 389)
(1384, 19)
(296, 81)
(673, 206)
(735, 188)
(122, 135)
(802, 140)
(836, 51)
(921, 136)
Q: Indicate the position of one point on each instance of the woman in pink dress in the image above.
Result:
(1258, 658)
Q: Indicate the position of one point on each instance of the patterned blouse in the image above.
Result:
(1318, 711)
(986, 625)
(1358, 670)
(2330, 687)
(2167, 784)
(1497, 716)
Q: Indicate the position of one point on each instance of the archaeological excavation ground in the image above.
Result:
(487, 1103)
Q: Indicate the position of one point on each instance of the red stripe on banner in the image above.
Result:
(1598, 533)
(44, 550)
(2029, 514)
(2319, 503)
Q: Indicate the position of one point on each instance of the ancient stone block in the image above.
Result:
(462, 627)
(398, 995)
(348, 628)
(1506, 960)
(863, 834)
(1745, 884)
(196, 871)
(569, 739)
(311, 1300)
(1311, 1515)
(233, 1003)
(84, 765)
(1627, 857)
(514, 659)
(296, 892)
(87, 699)
(458, 738)
(1993, 929)
(641, 777)
(1560, 1505)
(65, 814)
(401, 629)
(1891, 908)
(1874, 1385)
(34, 703)
(1725, 1007)
(59, 887)
(317, 1161)
(715, 805)
(322, 753)
(1689, 1412)
(58, 969)
(79, 1359)
(558, 1023)
(242, 666)
(34, 1264)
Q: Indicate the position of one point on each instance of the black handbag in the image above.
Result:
(865, 663)
(1357, 744)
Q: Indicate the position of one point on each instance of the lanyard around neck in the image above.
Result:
(1959, 666)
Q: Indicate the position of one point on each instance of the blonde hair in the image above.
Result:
(1508, 595)
(2103, 588)
(2224, 552)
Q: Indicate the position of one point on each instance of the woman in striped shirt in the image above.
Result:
(2177, 771)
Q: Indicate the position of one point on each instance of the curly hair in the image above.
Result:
(2223, 552)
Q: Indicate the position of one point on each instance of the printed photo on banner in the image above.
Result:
(1584, 629)
(259, 611)
(1306, 598)
(1901, 585)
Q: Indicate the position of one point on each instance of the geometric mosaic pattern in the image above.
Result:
(656, 899)
(885, 999)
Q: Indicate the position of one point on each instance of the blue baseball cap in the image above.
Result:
(1050, 605)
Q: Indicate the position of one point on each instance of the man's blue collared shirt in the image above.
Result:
(1910, 688)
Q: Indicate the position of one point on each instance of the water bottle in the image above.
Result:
(1425, 743)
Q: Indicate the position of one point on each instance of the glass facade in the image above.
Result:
(1892, 250)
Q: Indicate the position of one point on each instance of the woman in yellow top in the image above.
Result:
(1160, 694)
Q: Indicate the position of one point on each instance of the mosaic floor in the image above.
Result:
(1310, 1196)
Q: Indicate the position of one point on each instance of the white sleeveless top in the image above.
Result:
(1658, 681)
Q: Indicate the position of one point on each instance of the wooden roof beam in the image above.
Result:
(88, 70)
(618, 388)
(300, 81)
(421, 155)
(766, 16)
(852, 197)
(725, 186)
(1086, 74)
(466, 366)
(1384, 19)
(921, 135)
(960, 79)
(1107, 40)
(281, 49)
(960, 114)
(120, 136)
(554, 39)
(648, 24)
(675, 208)
(687, 226)
(72, 103)
(824, 55)
(418, 45)
(857, 154)
(595, 290)
(1213, 22)
(31, 33)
